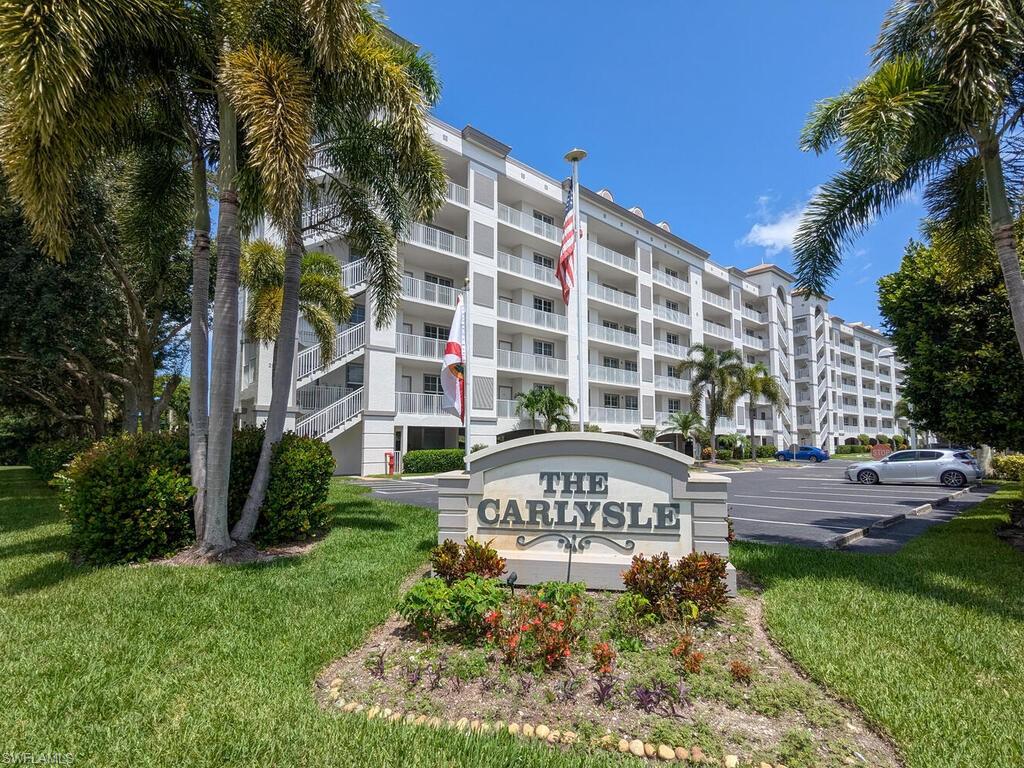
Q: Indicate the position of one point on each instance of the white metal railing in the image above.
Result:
(762, 425)
(613, 335)
(754, 341)
(614, 375)
(353, 273)
(662, 347)
(510, 263)
(436, 239)
(672, 316)
(424, 347)
(520, 313)
(421, 404)
(865, 372)
(508, 409)
(612, 296)
(848, 368)
(312, 217)
(884, 375)
(615, 415)
(725, 423)
(847, 347)
(850, 388)
(802, 351)
(675, 283)
(333, 417)
(753, 314)
(316, 397)
(456, 193)
(671, 383)
(345, 343)
(869, 411)
(520, 361)
(714, 298)
(608, 256)
(248, 375)
(527, 222)
(432, 293)
(716, 329)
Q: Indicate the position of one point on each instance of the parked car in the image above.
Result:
(803, 453)
(953, 468)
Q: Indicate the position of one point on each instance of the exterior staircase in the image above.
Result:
(335, 417)
(348, 345)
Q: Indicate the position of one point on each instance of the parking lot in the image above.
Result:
(788, 503)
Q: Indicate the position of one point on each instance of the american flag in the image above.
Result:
(564, 269)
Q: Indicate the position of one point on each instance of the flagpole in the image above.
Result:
(467, 406)
(574, 156)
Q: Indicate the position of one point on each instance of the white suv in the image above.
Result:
(952, 468)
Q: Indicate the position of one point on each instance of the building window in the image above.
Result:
(543, 261)
(672, 338)
(447, 282)
(544, 348)
(435, 331)
(611, 401)
(610, 362)
(674, 405)
(673, 305)
(673, 372)
(543, 217)
(610, 324)
(629, 329)
(670, 272)
(632, 402)
(542, 386)
(629, 365)
(353, 376)
(543, 305)
(358, 315)
(432, 384)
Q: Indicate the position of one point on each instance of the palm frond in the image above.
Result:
(261, 266)
(324, 328)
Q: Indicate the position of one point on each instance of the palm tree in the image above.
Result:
(712, 372)
(757, 384)
(555, 407)
(684, 424)
(531, 403)
(942, 107)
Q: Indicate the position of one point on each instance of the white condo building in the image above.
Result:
(650, 295)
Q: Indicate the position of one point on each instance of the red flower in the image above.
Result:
(557, 625)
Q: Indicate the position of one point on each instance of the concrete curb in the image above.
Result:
(845, 539)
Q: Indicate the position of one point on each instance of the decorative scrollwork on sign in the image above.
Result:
(575, 543)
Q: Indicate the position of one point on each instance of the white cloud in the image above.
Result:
(774, 232)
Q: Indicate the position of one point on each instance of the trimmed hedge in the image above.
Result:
(437, 460)
(766, 451)
(854, 449)
(46, 459)
(129, 498)
(1009, 467)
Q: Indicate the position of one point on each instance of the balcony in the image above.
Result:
(850, 389)
(615, 415)
(846, 368)
(753, 341)
(610, 375)
(436, 240)
(801, 351)
(846, 347)
(509, 263)
(672, 316)
(429, 293)
(421, 347)
(716, 329)
(421, 404)
(520, 313)
(608, 256)
(527, 223)
(353, 274)
(455, 193)
(671, 384)
(724, 425)
(317, 397)
(753, 314)
(612, 296)
(671, 281)
(718, 301)
(677, 351)
(612, 335)
(519, 361)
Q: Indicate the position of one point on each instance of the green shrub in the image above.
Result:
(766, 451)
(864, 439)
(426, 605)
(472, 598)
(439, 460)
(882, 439)
(46, 459)
(632, 616)
(1009, 467)
(129, 498)
(559, 593)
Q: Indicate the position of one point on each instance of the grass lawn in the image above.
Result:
(171, 666)
(929, 642)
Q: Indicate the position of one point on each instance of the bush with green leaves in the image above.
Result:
(436, 460)
(129, 498)
(426, 605)
(1009, 466)
(559, 593)
(766, 451)
(46, 459)
(472, 598)
(864, 439)
(881, 439)
(632, 616)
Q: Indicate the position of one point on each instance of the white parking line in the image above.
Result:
(804, 498)
(393, 493)
(864, 494)
(782, 522)
(812, 511)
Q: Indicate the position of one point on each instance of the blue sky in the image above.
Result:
(691, 110)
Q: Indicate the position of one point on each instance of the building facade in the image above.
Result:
(649, 297)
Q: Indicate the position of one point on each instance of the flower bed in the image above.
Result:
(646, 672)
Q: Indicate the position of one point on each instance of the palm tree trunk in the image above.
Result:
(198, 420)
(750, 437)
(712, 422)
(1002, 233)
(225, 339)
(284, 360)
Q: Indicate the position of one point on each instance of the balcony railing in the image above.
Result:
(671, 281)
(753, 314)
(612, 296)
(754, 341)
(615, 415)
(672, 316)
(421, 404)
(423, 347)
(316, 397)
(678, 351)
(671, 383)
(608, 256)
(613, 375)
(520, 361)
(353, 273)
(612, 335)
(848, 368)
(526, 222)
(436, 239)
(716, 329)
(457, 194)
(510, 263)
(725, 424)
(714, 298)
(519, 313)
(348, 341)
(431, 293)
(333, 417)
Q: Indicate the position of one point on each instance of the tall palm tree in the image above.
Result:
(942, 107)
(712, 373)
(684, 425)
(556, 408)
(757, 384)
(531, 403)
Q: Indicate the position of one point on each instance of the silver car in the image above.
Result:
(952, 468)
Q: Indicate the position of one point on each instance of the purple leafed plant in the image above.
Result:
(604, 688)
